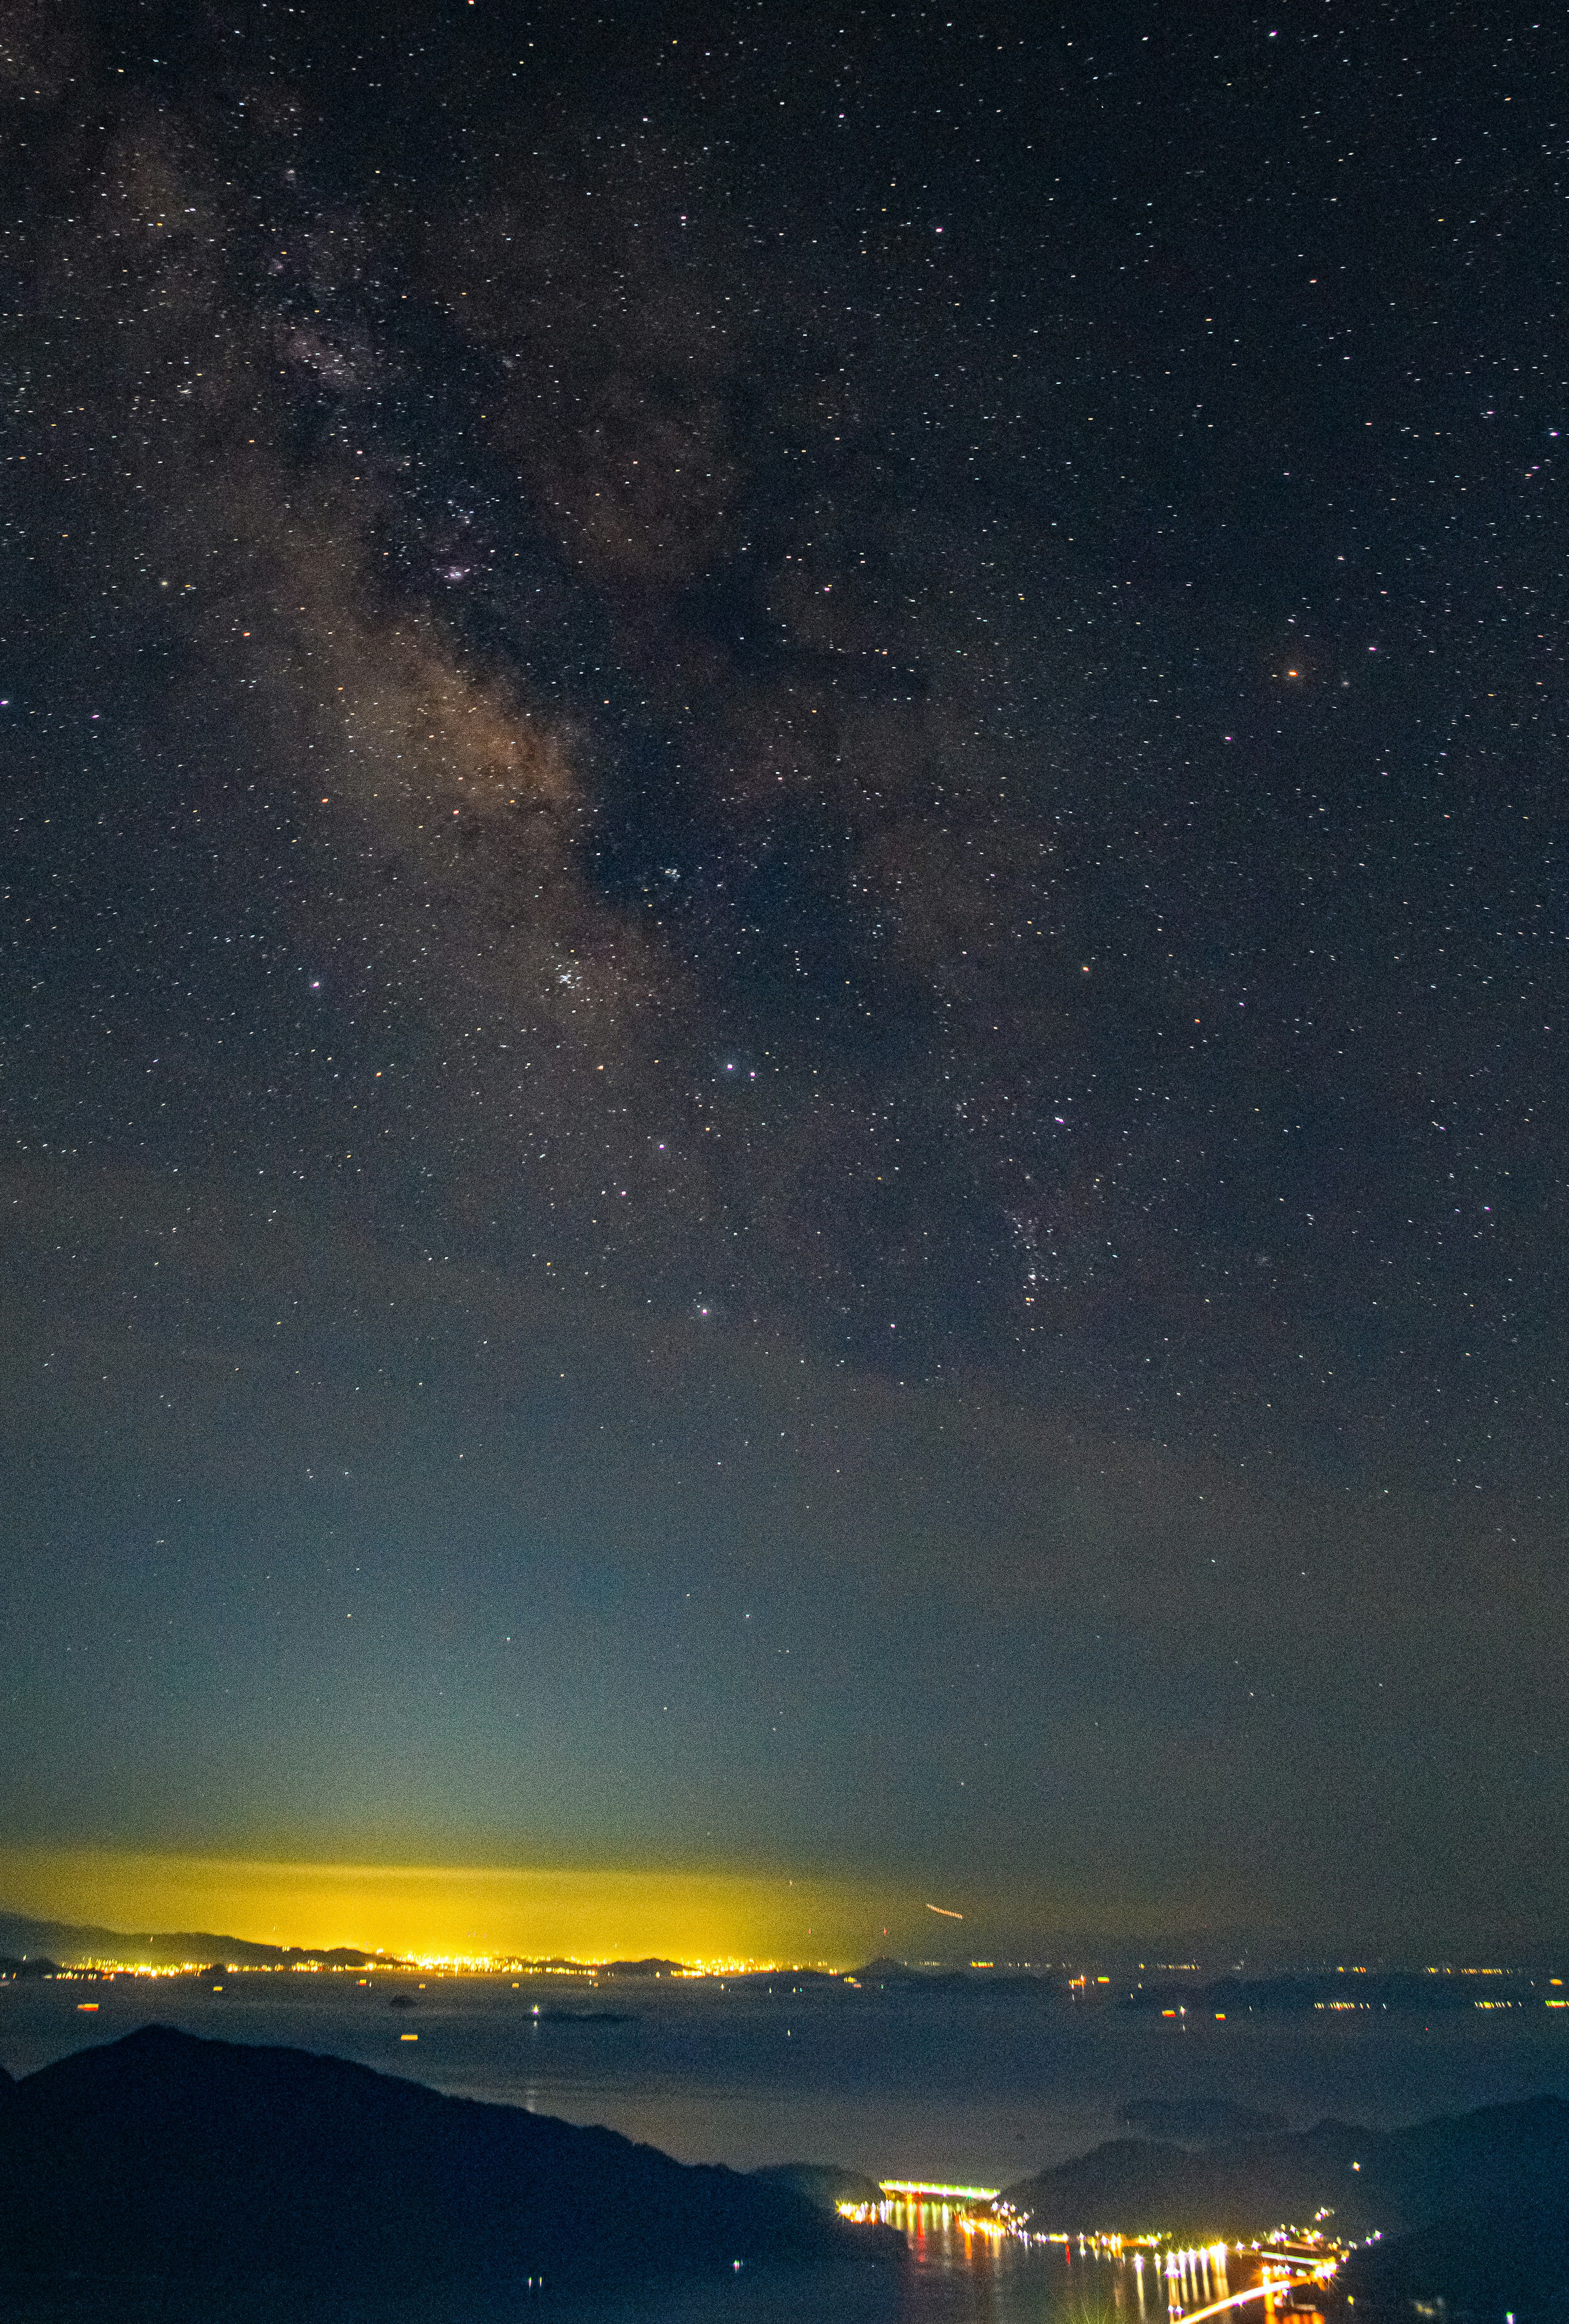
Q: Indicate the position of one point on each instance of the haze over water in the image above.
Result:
(972, 2085)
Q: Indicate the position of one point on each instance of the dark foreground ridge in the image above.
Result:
(1472, 2209)
(162, 2155)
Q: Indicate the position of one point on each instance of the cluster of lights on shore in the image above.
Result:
(107, 1971)
(436, 1965)
(1194, 2276)
(1085, 1985)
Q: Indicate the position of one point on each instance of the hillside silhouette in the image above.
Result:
(75, 1942)
(1488, 2161)
(1471, 2210)
(166, 2156)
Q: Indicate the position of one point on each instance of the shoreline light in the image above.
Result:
(940, 2193)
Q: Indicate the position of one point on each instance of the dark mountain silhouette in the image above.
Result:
(168, 2157)
(1472, 2208)
(1234, 2187)
(825, 2184)
(1486, 2163)
(1478, 2266)
(73, 1942)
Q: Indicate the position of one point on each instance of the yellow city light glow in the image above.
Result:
(464, 1915)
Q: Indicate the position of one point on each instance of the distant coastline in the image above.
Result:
(28, 1943)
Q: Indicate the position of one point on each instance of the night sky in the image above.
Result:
(784, 953)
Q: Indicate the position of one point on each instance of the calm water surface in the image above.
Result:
(949, 2279)
(972, 2085)
(975, 2086)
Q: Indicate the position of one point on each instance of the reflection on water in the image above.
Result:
(965, 2267)
(957, 2272)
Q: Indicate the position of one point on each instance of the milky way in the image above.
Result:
(785, 944)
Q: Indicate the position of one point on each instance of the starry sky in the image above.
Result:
(781, 1054)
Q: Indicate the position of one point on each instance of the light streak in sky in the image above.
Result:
(944, 1912)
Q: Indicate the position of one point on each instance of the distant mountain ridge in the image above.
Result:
(825, 2184)
(1472, 2208)
(168, 2157)
(71, 1942)
(1391, 2180)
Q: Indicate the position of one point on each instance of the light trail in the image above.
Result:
(1259, 2292)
